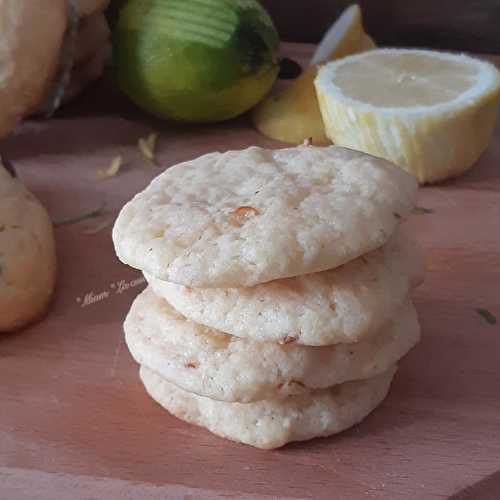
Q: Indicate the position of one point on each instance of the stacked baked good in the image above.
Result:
(278, 299)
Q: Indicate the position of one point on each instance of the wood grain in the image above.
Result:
(76, 423)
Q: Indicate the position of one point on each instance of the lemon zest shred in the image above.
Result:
(113, 169)
(147, 146)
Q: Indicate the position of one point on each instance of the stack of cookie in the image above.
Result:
(278, 300)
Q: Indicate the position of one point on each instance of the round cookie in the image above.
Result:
(246, 217)
(274, 423)
(30, 45)
(341, 305)
(220, 366)
(27, 255)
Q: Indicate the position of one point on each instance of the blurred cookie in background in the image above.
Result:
(27, 255)
(67, 48)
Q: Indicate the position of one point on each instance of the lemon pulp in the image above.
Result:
(430, 112)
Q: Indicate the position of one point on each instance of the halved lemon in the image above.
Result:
(293, 114)
(432, 113)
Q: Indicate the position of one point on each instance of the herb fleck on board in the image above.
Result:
(96, 212)
(488, 317)
(422, 211)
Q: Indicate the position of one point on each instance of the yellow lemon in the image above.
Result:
(432, 113)
(293, 114)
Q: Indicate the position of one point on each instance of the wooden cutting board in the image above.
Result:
(76, 423)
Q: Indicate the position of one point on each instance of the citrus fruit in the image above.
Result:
(195, 60)
(293, 114)
(346, 36)
(430, 112)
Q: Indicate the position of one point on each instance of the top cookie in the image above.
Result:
(246, 217)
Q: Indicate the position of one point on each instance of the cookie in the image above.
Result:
(341, 305)
(220, 366)
(274, 423)
(27, 255)
(242, 218)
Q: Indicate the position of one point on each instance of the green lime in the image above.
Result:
(195, 60)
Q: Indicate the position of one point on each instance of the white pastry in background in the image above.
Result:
(27, 255)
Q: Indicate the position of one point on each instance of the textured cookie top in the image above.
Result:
(246, 217)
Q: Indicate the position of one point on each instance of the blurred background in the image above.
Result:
(446, 24)
(472, 25)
